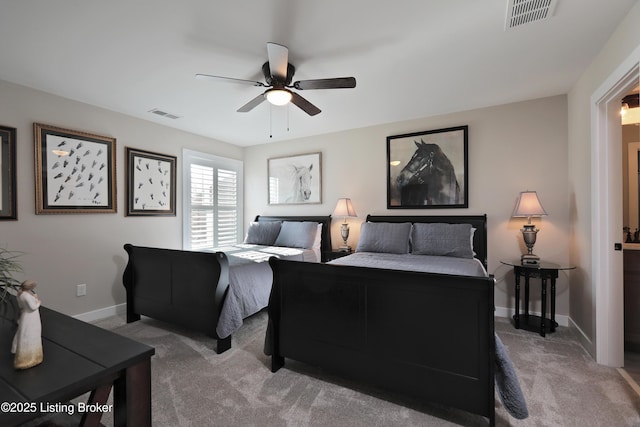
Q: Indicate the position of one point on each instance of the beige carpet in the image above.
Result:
(194, 386)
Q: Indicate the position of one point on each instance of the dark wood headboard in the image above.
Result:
(325, 244)
(479, 222)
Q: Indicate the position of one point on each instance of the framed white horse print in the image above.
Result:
(295, 179)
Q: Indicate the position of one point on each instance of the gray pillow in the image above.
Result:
(442, 239)
(297, 234)
(263, 233)
(387, 237)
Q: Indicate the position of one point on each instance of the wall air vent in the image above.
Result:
(164, 114)
(520, 12)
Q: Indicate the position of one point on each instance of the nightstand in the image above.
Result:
(329, 256)
(543, 271)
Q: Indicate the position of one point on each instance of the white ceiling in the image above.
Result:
(411, 58)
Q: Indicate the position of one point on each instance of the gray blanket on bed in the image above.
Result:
(410, 262)
(508, 385)
(250, 279)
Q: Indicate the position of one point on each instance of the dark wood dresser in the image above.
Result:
(78, 358)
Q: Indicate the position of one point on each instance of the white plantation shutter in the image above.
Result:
(212, 202)
(227, 224)
(202, 207)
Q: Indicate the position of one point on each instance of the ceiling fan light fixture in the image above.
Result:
(278, 96)
(278, 74)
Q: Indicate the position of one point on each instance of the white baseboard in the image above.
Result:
(509, 312)
(586, 342)
(95, 315)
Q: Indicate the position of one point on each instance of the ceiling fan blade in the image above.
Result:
(303, 104)
(335, 83)
(278, 60)
(252, 104)
(229, 79)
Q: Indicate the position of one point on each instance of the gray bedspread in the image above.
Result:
(410, 262)
(507, 384)
(250, 280)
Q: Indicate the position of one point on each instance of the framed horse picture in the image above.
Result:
(428, 170)
(295, 179)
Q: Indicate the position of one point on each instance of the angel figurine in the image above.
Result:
(27, 342)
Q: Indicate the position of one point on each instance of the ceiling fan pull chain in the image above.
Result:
(288, 109)
(270, 121)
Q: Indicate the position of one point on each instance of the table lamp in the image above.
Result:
(529, 206)
(345, 209)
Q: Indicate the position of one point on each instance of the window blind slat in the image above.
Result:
(214, 205)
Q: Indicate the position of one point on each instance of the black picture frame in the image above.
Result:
(8, 187)
(151, 183)
(75, 171)
(429, 169)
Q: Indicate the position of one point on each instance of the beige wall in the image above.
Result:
(623, 42)
(512, 148)
(62, 251)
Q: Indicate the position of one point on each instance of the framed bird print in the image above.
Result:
(75, 171)
(151, 183)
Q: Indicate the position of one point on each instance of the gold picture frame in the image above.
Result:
(75, 171)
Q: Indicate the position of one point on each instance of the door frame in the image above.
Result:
(606, 210)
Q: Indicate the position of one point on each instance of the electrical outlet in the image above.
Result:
(81, 290)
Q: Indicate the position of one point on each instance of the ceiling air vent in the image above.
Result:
(164, 114)
(520, 12)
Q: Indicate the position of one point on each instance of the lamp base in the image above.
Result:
(530, 259)
(344, 232)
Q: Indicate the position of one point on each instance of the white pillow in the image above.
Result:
(318, 240)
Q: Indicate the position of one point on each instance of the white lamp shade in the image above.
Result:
(344, 208)
(528, 205)
(631, 116)
(278, 96)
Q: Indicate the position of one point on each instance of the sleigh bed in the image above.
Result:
(422, 334)
(212, 292)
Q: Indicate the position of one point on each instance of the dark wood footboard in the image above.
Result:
(180, 287)
(424, 335)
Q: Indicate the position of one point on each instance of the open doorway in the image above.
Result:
(607, 207)
(630, 113)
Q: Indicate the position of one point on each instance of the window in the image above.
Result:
(212, 201)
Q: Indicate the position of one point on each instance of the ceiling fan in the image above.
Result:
(278, 74)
